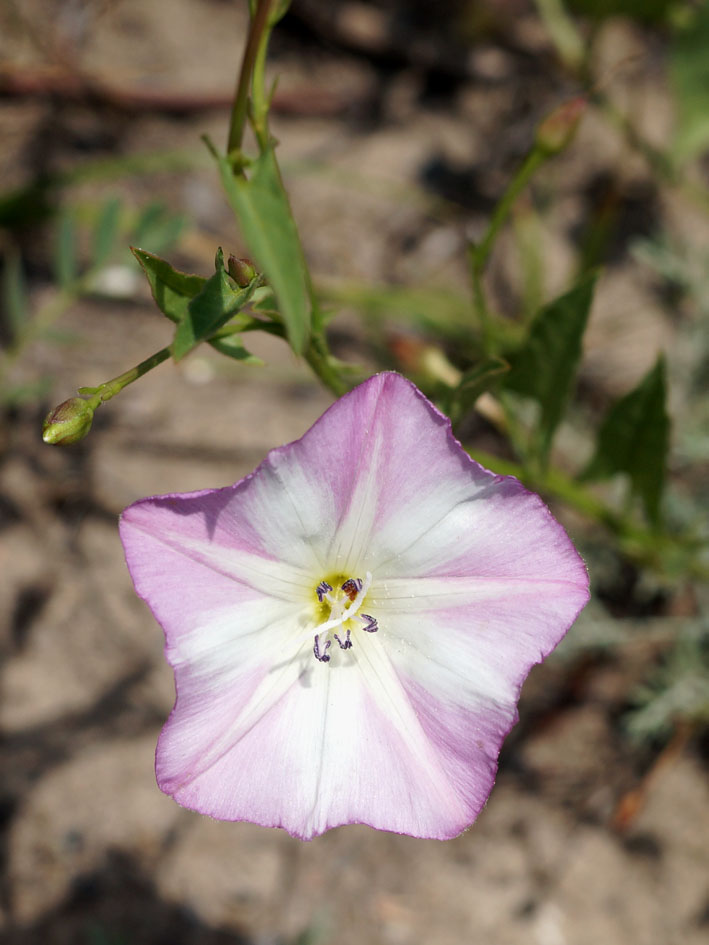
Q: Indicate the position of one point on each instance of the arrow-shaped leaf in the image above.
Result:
(172, 289)
(545, 367)
(634, 439)
(218, 301)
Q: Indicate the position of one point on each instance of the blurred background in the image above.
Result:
(400, 125)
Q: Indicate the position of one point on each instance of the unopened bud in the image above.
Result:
(68, 423)
(558, 129)
(242, 271)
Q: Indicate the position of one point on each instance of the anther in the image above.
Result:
(322, 590)
(352, 587)
(370, 624)
(347, 644)
(323, 657)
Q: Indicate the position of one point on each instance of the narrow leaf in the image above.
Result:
(219, 300)
(545, 367)
(14, 292)
(689, 75)
(65, 255)
(150, 217)
(233, 347)
(634, 439)
(172, 289)
(261, 206)
(158, 228)
(106, 232)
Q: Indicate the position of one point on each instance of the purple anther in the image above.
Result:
(323, 657)
(352, 587)
(322, 589)
(371, 625)
(347, 644)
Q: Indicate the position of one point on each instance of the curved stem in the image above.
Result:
(109, 389)
(259, 26)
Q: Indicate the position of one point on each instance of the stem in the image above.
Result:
(525, 172)
(109, 389)
(257, 29)
(480, 253)
(318, 357)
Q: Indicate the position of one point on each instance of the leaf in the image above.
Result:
(172, 289)
(545, 367)
(14, 292)
(689, 76)
(233, 347)
(218, 301)
(106, 232)
(261, 206)
(475, 382)
(158, 228)
(24, 393)
(65, 256)
(634, 439)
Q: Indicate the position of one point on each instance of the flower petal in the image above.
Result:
(331, 749)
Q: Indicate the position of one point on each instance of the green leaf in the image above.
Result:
(233, 347)
(157, 227)
(32, 391)
(219, 300)
(634, 439)
(545, 367)
(14, 292)
(689, 76)
(261, 206)
(172, 289)
(65, 256)
(473, 383)
(106, 232)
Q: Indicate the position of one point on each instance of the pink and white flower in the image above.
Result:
(351, 624)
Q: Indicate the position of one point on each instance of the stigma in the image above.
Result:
(344, 618)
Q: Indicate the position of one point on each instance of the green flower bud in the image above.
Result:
(242, 271)
(68, 423)
(558, 129)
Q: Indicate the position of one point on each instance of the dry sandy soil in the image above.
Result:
(90, 850)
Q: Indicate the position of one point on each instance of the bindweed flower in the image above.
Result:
(351, 624)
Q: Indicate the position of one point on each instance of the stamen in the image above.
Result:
(347, 645)
(323, 657)
(344, 606)
(352, 587)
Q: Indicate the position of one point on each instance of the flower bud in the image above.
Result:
(68, 423)
(242, 271)
(558, 129)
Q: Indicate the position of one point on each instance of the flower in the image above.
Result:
(350, 625)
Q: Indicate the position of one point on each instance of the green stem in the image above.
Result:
(239, 110)
(480, 253)
(524, 174)
(318, 357)
(109, 389)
